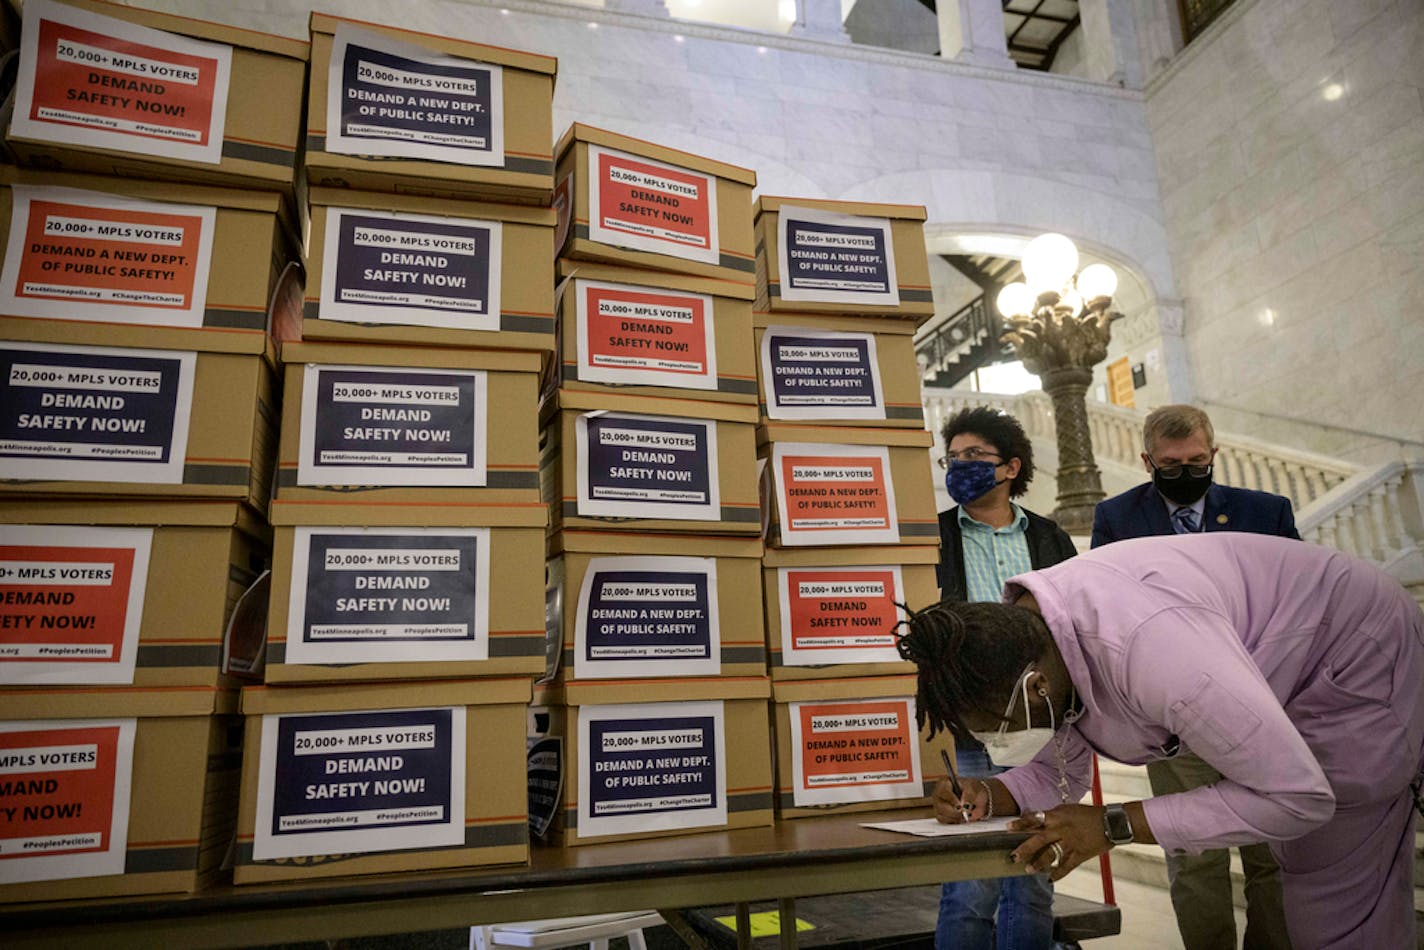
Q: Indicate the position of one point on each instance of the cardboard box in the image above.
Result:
(824, 256)
(488, 141)
(689, 756)
(849, 745)
(233, 117)
(649, 333)
(367, 426)
(100, 420)
(842, 486)
(205, 278)
(833, 370)
(626, 606)
(625, 201)
(425, 607)
(831, 612)
(159, 799)
(151, 588)
(442, 765)
(494, 290)
(613, 461)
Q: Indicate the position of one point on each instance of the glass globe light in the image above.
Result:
(1097, 280)
(1073, 301)
(1048, 261)
(1015, 299)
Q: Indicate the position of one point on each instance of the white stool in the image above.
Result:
(595, 930)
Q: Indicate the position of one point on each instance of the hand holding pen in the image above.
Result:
(957, 801)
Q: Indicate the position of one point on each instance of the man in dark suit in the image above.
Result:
(1180, 447)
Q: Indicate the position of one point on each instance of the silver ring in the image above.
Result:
(1057, 855)
(1041, 817)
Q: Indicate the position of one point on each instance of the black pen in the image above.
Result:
(964, 807)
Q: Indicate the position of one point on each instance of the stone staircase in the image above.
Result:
(1147, 863)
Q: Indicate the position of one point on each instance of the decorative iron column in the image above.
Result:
(1061, 347)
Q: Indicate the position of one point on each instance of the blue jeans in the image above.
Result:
(966, 908)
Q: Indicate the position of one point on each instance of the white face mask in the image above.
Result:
(1019, 747)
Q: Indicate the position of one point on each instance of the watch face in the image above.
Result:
(1117, 825)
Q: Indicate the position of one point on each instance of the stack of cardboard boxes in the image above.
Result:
(853, 532)
(651, 718)
(406, 612)
(145, 235)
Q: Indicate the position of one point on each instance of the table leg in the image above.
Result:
(786, 914)
(744, 927)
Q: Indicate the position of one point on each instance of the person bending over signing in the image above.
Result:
(1297, 672)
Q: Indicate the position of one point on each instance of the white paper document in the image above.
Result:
(931, 827)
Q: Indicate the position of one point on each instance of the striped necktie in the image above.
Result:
(1184, 521)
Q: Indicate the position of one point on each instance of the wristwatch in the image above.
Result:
(1116, 825)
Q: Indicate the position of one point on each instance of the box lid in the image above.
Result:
(842, 435)
(922, 554)
(200, 29)
(114, 702)
(637, 542)
(578, 132)
(498, 55)
(420, 204)
(847, 687)
(428, 357)
(597, 400)
(663, 280)
(173, 192)
(84, 511)
(258, 700)
(665, 689)
(353, 510)
(880, 324)
(869, 209)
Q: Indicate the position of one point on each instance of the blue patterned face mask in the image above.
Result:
(970, 481)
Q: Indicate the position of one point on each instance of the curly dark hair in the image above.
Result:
(1000, 430)
(968, 657)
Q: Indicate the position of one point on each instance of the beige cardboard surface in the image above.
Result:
(496, 828)
(917, 574)
(894, 355)
(185, 610)
(731, 328)
(910, 472)
(516, 620)
(907, 232)
(250, 247)
(264, 108)
(183, 797)
(528, 84)
(749, 798)
(742, 653)
(511, 439)
(526, 311)
(736, 465)
(737, 253)
(231, 441)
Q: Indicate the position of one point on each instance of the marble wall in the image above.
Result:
(1290, 151)
(1275, 230)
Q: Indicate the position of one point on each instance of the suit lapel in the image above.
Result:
(1154, 511)
(1218, 517)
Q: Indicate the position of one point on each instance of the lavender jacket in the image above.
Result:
(1296, 671)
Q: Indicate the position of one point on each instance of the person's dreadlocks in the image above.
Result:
(968, 656)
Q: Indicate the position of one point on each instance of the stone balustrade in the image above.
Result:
(1302, 477)
(1374, 513)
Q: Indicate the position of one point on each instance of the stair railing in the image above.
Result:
(1303, 477)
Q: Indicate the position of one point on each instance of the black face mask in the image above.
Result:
(1185, 489)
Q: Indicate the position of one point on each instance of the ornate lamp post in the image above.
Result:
(1059, 324)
